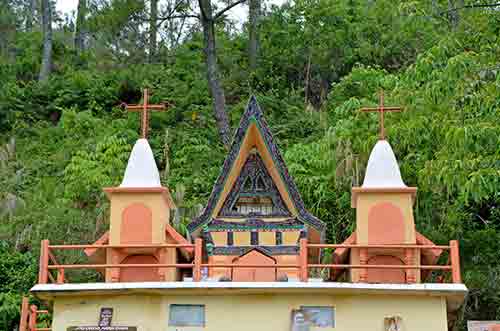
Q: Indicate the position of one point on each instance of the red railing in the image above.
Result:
(29, 316)
(48, 262)
(453, 264)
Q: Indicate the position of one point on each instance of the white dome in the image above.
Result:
(383, 170)
(141, 167)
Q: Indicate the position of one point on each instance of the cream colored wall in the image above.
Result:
(264, 312)
(365, 201)
(241, 238)
(154, 201)
(219, 238)
(267, 238)
(290, 237)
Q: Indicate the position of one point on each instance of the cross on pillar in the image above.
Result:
(144, 108)
(382, 109)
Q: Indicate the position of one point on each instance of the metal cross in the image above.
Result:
(144, 108)
(382, 109)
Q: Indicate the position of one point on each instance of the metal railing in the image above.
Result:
(29, 316)
(48, 262)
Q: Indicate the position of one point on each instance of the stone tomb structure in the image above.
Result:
(140, 215)
(384, 216)
(250, 259)
(255, 213)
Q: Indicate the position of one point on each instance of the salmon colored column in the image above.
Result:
(23, 323)
(363, 259)
(455, 262)
(198, 251)
(303, 271)
(32, 319)
(43, 272)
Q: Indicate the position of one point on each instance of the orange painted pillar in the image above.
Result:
(411, 274)
(198, 254)
(455, 262)
(60, 276)
(32, 318)
(43, 272)
(363, 259)
(23, 322)
(303, 270)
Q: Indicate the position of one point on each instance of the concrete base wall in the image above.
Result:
(251, 312)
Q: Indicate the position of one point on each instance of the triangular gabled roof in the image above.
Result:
(253, 120)
(255, 249)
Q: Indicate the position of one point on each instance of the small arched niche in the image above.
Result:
(386, 276)
(139, 274)
(136, 227)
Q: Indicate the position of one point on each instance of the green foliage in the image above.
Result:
(17, 275)
(71, 138)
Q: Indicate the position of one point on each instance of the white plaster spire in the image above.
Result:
(383, 169)
(141, 167)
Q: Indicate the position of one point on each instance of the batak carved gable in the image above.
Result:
(254, 193)
(255, 205)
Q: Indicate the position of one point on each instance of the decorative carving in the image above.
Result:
(254, 189)
(393, 323)
(254, 114)
(255, 224)
(240, 250)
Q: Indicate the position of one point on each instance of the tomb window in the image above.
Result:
(230, 239)
(254, 238)
(279, 238)
(320, 316)
(186, 315)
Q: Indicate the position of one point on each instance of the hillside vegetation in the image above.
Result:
(62, 140)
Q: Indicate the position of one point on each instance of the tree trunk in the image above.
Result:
(216, 90)
(307, 78)
(254, 17)
(153, 30)
(30, 15)
(80, 27)
(46, 66)
(453, 12)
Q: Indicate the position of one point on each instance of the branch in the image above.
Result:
(172, 16)
(486, 5)
(220, 13)
(166, 18)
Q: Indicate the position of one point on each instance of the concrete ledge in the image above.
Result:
(218, 288)
(454, 293)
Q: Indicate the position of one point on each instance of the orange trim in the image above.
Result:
(103, 240)
(163, 190)
(455, 262)
(432, 255)
(179, 239)
(302, 266)
(44, 262)
(361, 190)
(32, 318)
(23, 322)
(121, 266)
(198, 252)
(303, 274)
